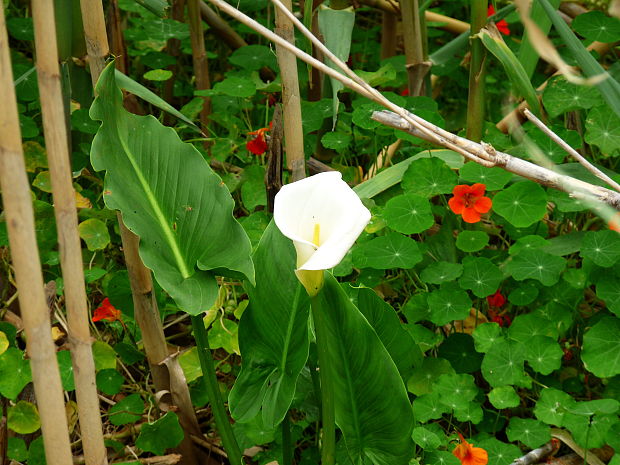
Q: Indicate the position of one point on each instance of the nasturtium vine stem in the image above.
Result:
(210, 380)
(328, 412)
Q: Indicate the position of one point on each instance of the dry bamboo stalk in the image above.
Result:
(56, 142)
(199, 57)
(416, 64)
(291, 102)
(25, 256)
(95, 35)
(221, 27)
(389, 22)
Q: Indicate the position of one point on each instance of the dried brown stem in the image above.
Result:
(199, 57)
(221, 27)
(56, 142)
(19, 215)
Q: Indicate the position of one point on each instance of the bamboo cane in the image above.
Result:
(199, 57)
(477, 73)
(417, 65)
(25, 256)
(56, 142)
(291, 102)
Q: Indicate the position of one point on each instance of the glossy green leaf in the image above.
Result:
(128, 410)
(601, 348)
(522, 204)
(596, 25)
(391, 251)
(493, 178)
(4, 342)
(551, 406)
(607, 288)
(235, 87)
(499, 453)
(109, 382)
(561, 96)
(423, 377)
(254, 57)
(534, 264)
(425, 438)
(66, 369)
(531, 324)
(16, 449)
(448, 303)
(441, 272)
(104, 355)
(383, 318)
(253, 191)
(158, 75)
(472, 241)
(543, 354)
(14, 373)
(428, 177)
(160, 435)
(504, 397)
(455, 390)
(530, 242)
(524, 294)
(336, 27)
(372, 411)
(95, 233)
(589, 432)
(602, 247)
(23, 418)
(458, 348)
(603, 130)
(494, 43)
(170, 198)
(441, 457)
(480, 276)
(503, 364)
(336, 140)
(273, 334)
(408, 214)
(427, 407)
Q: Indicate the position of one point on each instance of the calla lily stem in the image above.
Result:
(213, 391)
(328, 413)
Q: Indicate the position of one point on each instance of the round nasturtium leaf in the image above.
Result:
(390, 251)
(528, 325)
(589, 431)
(525, 294)
(128, 410)
(14, 373)
(23, 418)
(472, 412)
(362, 115)
(459, 350)
(608, 289)
(80, 121)
(503, 364)
(163, 434)
(428, 177)
(190, 364)
(104, 355)
(455, 390)
(601, 347)
(532, 433)
(527, 242)
(448, 303)
(504, 397)
(158, 75)
(427, 407)
(543, 354)
(441, 457)
(441, 272)
(548, 147)
(95, 233)
(236, 87)
(596, 406)
(603, 129)
(4, 342)
(425, 438)
(602, 247)
(422, 378)
(336, 140)
(110, 381)
(561, 96)
(16, 449)
(522, 204)
(499, 453)
(534, 264)
(493, 178)
(43, 181)
(66, 369)
(20, 28)
(408, 214)
(472, 241)
(596, 25)
(254, 57)
(486, 335)
(480, 276)
(551, 406)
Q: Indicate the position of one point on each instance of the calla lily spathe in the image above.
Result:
(323, 217)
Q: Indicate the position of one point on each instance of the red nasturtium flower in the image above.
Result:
(106, 311)
(470, 455)
(258, 145)
(470, 202)
(502, 25)
(496, 300)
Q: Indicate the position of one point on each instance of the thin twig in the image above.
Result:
(571, 151)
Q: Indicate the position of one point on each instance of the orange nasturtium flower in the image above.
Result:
(470, 455)
(502, 25)
(106, 311)
(258, 145)
(470, 202)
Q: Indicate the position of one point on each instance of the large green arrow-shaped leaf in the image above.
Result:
(372, 406)
(168, 196)
(273, 334)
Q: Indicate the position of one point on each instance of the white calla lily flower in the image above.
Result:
(323, 217)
